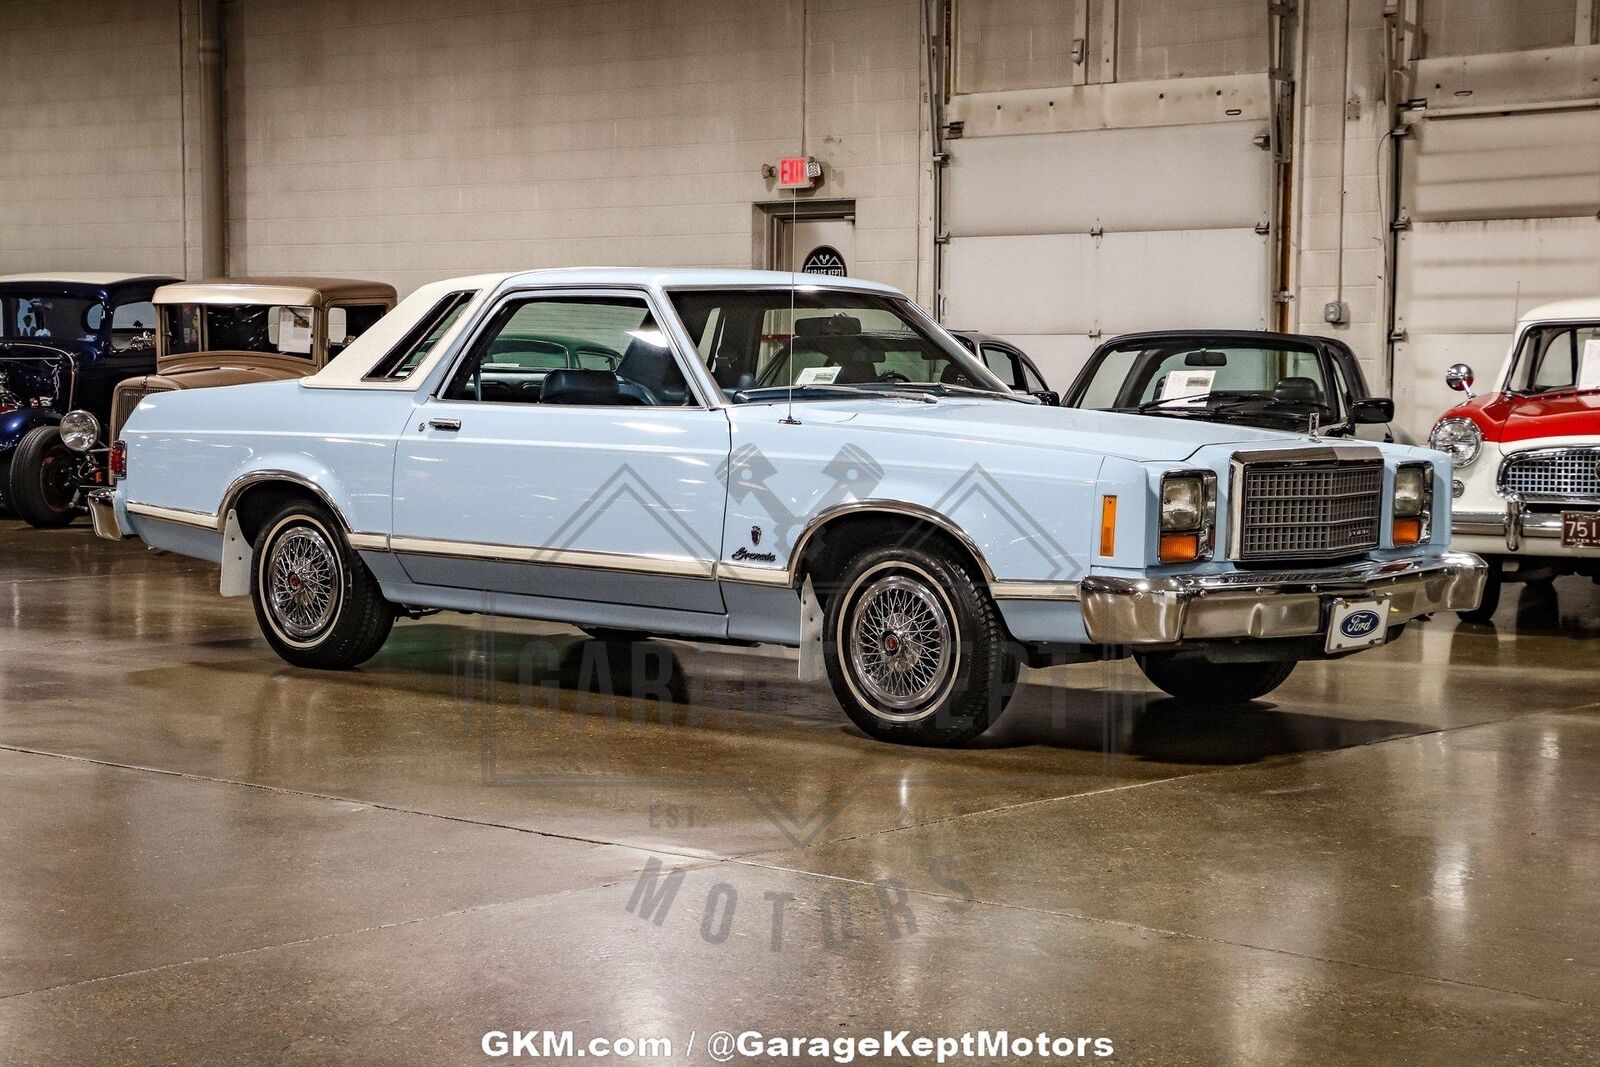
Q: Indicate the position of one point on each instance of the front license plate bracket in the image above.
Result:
(1356, 623)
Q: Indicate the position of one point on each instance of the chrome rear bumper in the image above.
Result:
(103, 513)
(1267, 604)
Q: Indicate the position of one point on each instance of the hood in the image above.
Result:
(1133, 437)
(1508, 417)
(41, 372)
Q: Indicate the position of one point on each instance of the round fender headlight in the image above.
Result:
(80, 431)
(1459, 438)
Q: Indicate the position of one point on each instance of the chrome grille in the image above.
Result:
(1567, 473)
(1309, 511)
(127, 398)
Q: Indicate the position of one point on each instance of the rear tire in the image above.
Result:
(317, 604)
(1492, 583)
(42, 488)
(1197, 681)
(915, 648)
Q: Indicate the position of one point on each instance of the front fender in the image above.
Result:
(16, 424)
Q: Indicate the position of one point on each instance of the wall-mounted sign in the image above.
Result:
(798, 172)
(824, 260)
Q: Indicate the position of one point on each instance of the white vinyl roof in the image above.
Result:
(350, 367)
(1587, 308)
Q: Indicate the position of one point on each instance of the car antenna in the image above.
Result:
(794, 281)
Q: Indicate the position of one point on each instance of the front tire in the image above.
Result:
(43, 487)
(1198, 681)
(317, 604)
(915, 648)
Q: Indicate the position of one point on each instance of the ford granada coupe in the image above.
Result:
(1527, 450)
(611, 448)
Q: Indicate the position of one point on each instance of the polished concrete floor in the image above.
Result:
(209, 857)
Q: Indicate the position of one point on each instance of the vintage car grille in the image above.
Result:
(1566, 473)
(127, 398)
(1309, 510)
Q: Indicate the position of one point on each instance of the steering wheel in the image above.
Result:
(893, 376)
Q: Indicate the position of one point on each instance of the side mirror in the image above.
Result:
(1372, 410)
(1048, 396)
(1459, 378)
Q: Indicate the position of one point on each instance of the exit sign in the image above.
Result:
(798, 172)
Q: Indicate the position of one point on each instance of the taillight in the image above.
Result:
(119, 460)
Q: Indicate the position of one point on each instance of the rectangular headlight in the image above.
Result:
(1188, 516)
(1412, 504)
(1183, 503)
(1410, 492)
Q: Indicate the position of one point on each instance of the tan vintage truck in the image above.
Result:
(229, 331)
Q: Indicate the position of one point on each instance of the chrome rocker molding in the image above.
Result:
(665, 566)
(1265, 604)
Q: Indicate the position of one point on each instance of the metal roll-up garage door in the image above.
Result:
(1057, 240)
(1498, 215)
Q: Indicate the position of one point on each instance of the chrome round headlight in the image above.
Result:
(1459, 438)
(80, 431)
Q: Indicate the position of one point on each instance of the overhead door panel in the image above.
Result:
(1058, 240)
(1500, 216)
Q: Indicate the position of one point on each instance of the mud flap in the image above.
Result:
(812, 667)
(237, 557)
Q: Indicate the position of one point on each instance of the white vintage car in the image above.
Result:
(731, 456)
(1527, 451)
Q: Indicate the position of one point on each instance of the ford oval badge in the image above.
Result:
(1359, 623)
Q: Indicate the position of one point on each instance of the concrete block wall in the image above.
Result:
(406, 141)
(1014, 44)
(91, 143)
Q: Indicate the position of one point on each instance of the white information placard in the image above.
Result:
(1189, 385)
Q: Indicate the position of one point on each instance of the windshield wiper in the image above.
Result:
(947, 389)
(1203, 401)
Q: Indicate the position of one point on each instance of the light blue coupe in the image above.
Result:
(731, 456)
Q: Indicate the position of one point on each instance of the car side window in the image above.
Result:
(1003, 364)
(1034, 383)
(346, 322)
(133, 326)
(599, 350)
(414, 347)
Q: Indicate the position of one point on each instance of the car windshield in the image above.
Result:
(64, 317)
(1557, 357)
(1199, 377)
(820, 341)
(279, 329)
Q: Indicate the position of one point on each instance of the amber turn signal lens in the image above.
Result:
(1108, 526)
(1180, 548)
(1407, 531)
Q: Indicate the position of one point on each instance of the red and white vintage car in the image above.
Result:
(1527, 451)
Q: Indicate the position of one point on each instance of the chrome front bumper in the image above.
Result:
(1266, 604)
(103, 513)
(1515, 524)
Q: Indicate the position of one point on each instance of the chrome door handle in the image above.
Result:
(445, 424)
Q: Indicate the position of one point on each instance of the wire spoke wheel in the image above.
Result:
(302, 582)
(901, 643)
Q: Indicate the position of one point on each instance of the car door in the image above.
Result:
(572, 482)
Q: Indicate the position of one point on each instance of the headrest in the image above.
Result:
(573, 386)
(1297, 391)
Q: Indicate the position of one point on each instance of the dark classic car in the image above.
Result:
(1009, 363)
(66, 340)
(1277, 381)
